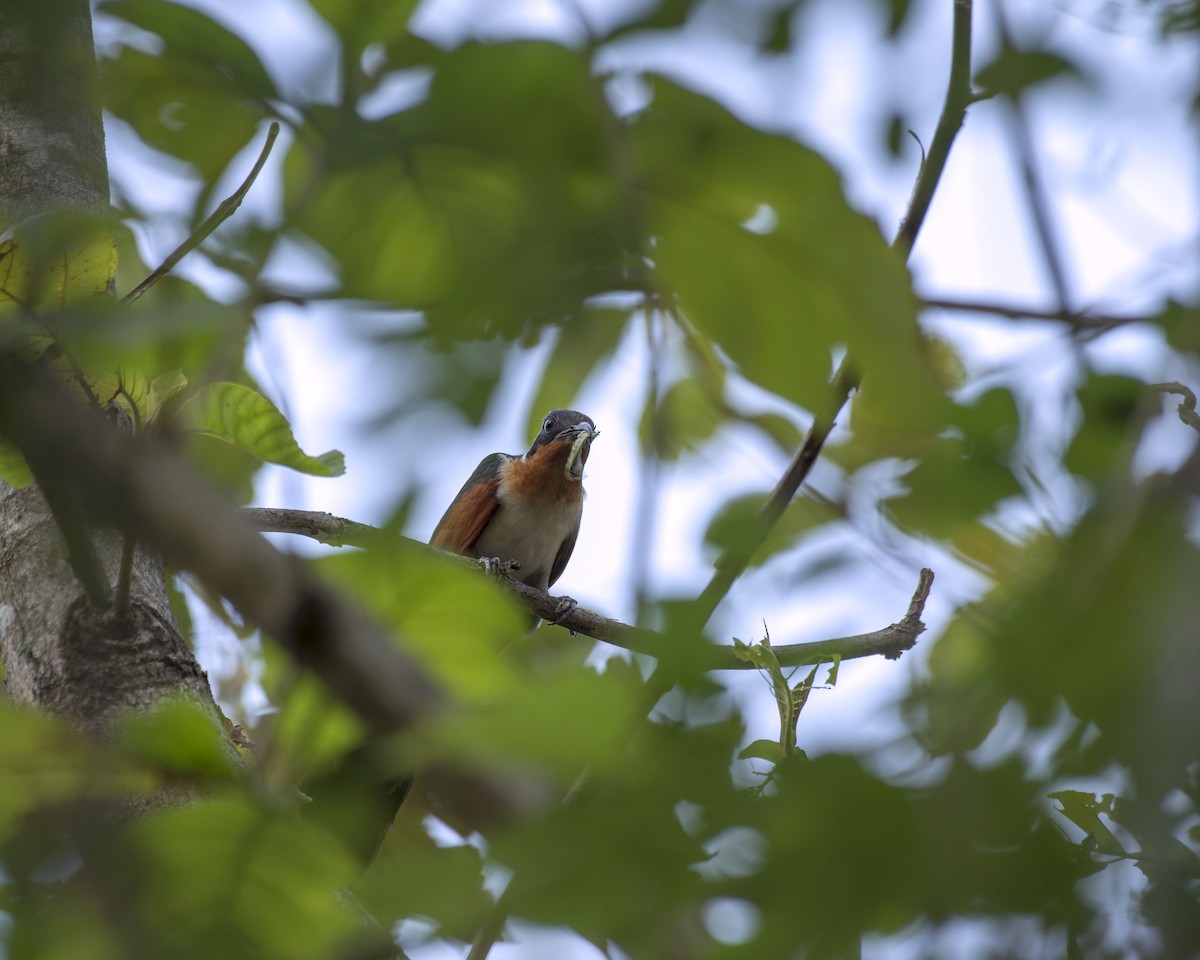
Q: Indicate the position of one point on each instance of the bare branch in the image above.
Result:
(225, 210)
(315, 524)
(1085, 320)
(1034, 192)
(890, 642)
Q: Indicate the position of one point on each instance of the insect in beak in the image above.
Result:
(574, 467)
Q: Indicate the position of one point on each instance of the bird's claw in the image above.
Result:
(566, 606)
(495, 567)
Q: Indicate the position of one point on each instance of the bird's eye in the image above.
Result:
(547, 424)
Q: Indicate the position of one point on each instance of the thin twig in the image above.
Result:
(1086, 320)
(1034, 193)
(731, 564)
(1187, 409)
(224, 211)
(959, 96)
(890, 641)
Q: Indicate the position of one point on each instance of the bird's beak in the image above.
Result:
(584, 435)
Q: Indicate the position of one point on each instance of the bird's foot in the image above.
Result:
(495, 567)
(566, 606)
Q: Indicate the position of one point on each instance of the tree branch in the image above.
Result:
(225, 210)
(1034, 194)
(890, 641)
(959, 96)
(731, 564)
(1086, 320)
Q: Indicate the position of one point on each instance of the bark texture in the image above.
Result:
(64, 656)
(51, 136)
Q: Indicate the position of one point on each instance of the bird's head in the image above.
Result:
(570, 430)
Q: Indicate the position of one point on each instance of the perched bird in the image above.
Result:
(525, 508)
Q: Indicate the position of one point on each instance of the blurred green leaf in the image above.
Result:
(1106, 436)
(1014, 71)
(454, 621)
(725, 200)
(54, 261)
(582, 346)
(180, 738)
(490, 206)
(1182, 326)
(362, 22)
(559, 724)
(1085, 810)
(195, 38)
(45, 764)
(688, 414)
(229, 877)
(769, 750)
(13, 469)
(661, 15)
(779, 29)
(737, 521)
(171, 100)
(416, 877)
(246, 419)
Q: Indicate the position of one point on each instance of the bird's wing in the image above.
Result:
(563, 555)
(472, 510)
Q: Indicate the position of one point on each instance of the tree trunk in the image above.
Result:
(63, 652)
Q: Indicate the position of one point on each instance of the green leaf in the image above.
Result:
(455, 621)
(768, 750)
(204, 72)
(662, 15)
(227, 877)
(583, 344)
(181, 738)
(361, 22)
(1109, 430)
(490, 222)
(54, 261)
(44, 764)
(1014, 71)
(163, 388)
(1084, 810)
(246, 419)
(725, 200)
(13, 469)
(194, 38)
(738, 520)
(688, 414)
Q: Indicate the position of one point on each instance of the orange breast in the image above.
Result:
(543, 476)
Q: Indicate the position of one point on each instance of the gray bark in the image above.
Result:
(51, 136)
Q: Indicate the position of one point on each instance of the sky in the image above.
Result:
(1118, 162)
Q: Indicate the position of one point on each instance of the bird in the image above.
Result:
(524, 510)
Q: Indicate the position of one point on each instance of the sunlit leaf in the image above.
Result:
(13, 469)
(246, 419)
(54, 261)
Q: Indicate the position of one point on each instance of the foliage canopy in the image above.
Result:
(515, 200)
